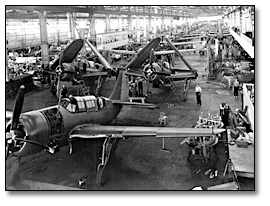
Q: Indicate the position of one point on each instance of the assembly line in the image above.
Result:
(160, 114)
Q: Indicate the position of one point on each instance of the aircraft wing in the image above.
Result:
(92, 131)
(95, 74)
(137, 73)
(181, 76)
(173, 51)
(145, 105)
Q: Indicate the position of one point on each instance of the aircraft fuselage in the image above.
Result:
(45, 124)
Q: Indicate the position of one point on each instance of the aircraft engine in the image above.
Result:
(68, 72)
(32, 127)
(150, 72)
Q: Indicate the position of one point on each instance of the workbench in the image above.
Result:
(242, 158)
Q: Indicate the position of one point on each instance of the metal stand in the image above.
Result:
(230, 168)
(163, 146)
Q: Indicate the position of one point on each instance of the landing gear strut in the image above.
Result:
(106, 151)
(186, 88)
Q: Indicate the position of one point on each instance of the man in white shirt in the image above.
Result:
(198, 91)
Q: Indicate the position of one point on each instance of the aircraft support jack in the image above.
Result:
(173, 87)
(163, 146)
(106, 151)
(100, 83)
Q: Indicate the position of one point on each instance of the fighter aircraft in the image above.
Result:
(157, 73)
(68, 73)
(85, 117)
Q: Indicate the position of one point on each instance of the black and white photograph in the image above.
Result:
(130, 98)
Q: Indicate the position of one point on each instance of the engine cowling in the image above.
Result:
(149, 72)
(32, 126)
(68, 72)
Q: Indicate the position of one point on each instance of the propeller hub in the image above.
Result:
(149, 71)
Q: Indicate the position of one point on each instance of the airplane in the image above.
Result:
(67, 56)
(157, 73)
(68, 73)
(86, 117)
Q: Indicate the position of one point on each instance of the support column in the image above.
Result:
(71, 25)
(155, 27)
(162, 26)
(150, 26)
(119, 23)
(138, 29)
(108, 27)
(58, 33)
(130, 24)
(144, 26)
(172, 28)
(44, 38)
(92, 26)
(7, 69)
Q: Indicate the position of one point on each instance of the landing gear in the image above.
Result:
(186, 88)
(100, 83)
(106, 152)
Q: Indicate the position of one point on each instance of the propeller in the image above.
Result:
(149, 69)
(15, 134)
(17, 109)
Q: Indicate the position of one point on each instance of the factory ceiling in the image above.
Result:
(174, 11)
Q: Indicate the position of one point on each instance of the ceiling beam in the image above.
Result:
(85, 9)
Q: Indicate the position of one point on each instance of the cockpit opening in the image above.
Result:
(83, 104)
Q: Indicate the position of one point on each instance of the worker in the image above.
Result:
(193, 147)
(235, 88)
(64, 92)
(73, 103)
(53, 89)
(221, 109)
(198, 91)
(140, 87)
(225, 117)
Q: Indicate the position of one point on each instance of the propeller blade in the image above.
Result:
(151, 58)
(17, 109)
(69, 53)
(60, 59)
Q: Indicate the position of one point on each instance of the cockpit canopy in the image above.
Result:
(82, 104)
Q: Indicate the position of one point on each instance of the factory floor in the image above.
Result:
(138, 164)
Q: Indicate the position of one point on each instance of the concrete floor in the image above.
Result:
(138, 164)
